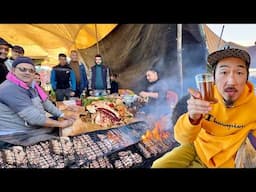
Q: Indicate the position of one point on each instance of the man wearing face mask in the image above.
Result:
(4, 50)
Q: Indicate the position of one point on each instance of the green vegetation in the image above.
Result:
(88, 101)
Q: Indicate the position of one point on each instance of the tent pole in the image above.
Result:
(179, 56)
(219, 43)
(96, 32)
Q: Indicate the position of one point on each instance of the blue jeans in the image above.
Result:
(62, 94)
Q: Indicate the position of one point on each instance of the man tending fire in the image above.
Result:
(155, 95)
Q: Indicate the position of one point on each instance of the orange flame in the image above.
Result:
(112, 136)
(157, 133)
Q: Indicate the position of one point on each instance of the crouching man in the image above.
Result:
(23, 107)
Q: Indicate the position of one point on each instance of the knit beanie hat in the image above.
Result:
(19, 60)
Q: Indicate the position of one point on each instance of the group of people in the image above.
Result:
(72, 79)
(210, 135)
(5, 62)
(25, 109)
(23, 103)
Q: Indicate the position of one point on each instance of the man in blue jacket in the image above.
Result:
(63, 79)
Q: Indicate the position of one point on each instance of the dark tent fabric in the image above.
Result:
(131, 49)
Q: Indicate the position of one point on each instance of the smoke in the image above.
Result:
(131, 49)
(193, 62)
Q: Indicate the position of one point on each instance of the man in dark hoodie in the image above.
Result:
(4, 50)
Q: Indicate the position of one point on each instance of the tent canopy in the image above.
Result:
(127, 49)
(131, 49)
(46, 41)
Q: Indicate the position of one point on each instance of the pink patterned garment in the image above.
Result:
(11, 77)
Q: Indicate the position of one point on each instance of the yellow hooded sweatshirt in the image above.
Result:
(221, 132)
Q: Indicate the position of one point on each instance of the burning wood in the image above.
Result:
(156, 141)
(158, 133)
(115, 148)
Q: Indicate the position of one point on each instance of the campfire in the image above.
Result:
(158, 133)
(158, 140)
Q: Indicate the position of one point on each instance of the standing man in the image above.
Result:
(17, 51)
(80, 73)
(114, 84)
(4, 50)
(99, 83)
(63, 79)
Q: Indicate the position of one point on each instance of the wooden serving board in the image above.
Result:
(80, 127)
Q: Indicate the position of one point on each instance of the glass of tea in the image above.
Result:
(205, 82)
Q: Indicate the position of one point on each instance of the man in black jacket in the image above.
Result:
(114, 83)
(4, 50)
(63, 80)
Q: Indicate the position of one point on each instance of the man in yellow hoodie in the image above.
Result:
(211, 134)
